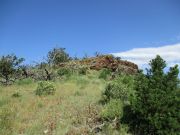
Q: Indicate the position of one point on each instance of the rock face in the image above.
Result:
(105, 61)
(110, 62)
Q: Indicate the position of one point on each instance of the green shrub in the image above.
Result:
(104, 73)
(64, 72)
(115, 90)
(40, 105)
(16, 95)
(82, 70)
(45, 88)
(120, 88)
(112, 110)
(128, 80)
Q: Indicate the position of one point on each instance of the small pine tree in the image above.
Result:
(156, 107)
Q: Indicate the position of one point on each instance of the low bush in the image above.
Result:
(64, 72)
(112, 110)
(115, 90)
(45, 88)
(104, 73)
(120, 88)
(16, 95)
(82, 70)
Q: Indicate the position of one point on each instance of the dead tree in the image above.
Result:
(48, 75)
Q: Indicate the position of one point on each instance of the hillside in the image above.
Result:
(73, 110)
(102, 95)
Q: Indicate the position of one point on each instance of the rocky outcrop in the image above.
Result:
(104, 61)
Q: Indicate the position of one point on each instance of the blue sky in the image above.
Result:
(30, 28)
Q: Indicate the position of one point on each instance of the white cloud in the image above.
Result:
(142, 56)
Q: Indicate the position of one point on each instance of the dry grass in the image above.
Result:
(72, 110)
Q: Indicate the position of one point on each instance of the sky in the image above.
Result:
(135, 30)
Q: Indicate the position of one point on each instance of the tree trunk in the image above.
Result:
(48, 75)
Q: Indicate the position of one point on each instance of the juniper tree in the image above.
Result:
(157, 103)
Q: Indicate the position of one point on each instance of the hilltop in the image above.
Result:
(104, 61)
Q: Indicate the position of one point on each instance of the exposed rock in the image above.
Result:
(104, 61)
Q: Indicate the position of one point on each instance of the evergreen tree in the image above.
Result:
(157, 103)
